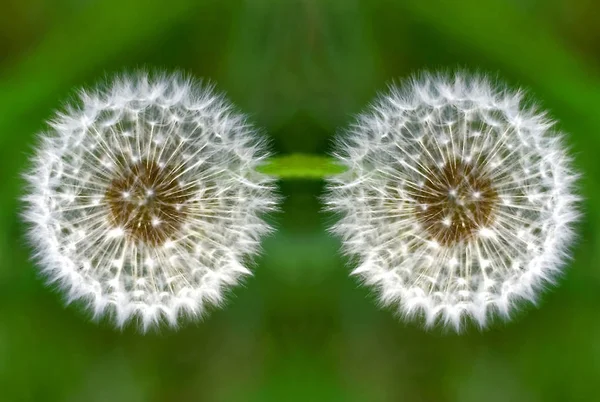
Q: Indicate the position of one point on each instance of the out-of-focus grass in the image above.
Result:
(300, 329)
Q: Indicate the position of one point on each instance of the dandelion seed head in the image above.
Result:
(458, 200)
(144, 201)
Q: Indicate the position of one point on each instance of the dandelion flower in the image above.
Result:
(143, 199)
(458, 200)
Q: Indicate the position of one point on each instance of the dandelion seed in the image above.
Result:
(144, 200)
(458, 201)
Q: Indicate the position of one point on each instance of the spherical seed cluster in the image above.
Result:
(144, 199)
(457, 202)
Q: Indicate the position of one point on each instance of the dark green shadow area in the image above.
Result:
(300, 329)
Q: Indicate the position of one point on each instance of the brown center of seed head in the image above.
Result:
(455, 201)
(148, 202)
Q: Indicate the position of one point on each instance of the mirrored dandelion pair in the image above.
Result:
(457, 201)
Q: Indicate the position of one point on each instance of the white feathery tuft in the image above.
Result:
(144, 201)
(458, 200)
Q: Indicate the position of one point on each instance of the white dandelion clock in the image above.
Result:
(458, 200)
(143, 200)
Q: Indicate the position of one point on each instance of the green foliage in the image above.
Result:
(300, 329)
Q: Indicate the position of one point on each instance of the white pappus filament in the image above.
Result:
(143, 199)
(458, 200)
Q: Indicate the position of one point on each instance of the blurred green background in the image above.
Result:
(300, 329)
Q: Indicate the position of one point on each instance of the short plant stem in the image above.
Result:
(301, 166)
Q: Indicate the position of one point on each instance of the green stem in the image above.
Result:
(301, 166)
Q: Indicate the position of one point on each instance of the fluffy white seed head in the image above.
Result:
(458, 199)
(143, 199)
